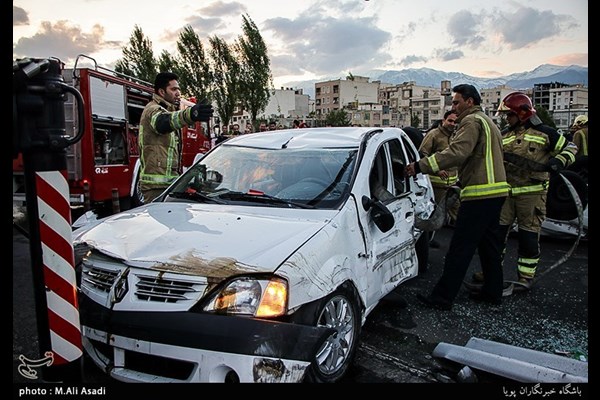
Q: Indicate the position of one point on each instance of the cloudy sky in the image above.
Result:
(320, 39)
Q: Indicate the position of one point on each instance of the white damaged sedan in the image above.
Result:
(259, 264)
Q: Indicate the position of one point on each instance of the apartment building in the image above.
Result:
(566, 103)
(491, 98)
(286, 103)
(336, 94)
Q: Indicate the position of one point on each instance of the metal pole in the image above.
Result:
(39, 126)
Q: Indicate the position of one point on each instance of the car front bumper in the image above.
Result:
(193, 347)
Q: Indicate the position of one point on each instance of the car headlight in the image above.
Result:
(259, 297)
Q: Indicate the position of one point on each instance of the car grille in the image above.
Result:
(106, 279)
(152, 288)
(99, 278)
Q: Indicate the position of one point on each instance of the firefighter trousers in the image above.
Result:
(477, 228)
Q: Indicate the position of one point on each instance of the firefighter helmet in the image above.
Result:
(518, 103)
(580, 121)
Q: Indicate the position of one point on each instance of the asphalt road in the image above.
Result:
(398, 339)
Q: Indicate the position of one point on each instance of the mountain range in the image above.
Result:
(545, 73)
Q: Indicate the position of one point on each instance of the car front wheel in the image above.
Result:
(331, 362)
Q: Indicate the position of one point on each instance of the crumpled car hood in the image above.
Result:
(208, 240)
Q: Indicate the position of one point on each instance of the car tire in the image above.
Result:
(138, 197)
(340, 311)
(422, 250)
(559, 204)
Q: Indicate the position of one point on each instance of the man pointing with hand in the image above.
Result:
(159, 136)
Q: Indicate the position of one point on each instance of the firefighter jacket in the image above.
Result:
(159, 142)
(476, 150)
(536, 143)
(580, 139)
(436, 140)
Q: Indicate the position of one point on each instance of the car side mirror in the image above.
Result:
(381, 215)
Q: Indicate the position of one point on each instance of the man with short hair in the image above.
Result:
(159, 136)
(438, 139)
(476, 150)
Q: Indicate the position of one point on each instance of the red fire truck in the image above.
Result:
(105, 163)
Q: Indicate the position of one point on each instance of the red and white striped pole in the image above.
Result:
(39, 95)
(54, 217)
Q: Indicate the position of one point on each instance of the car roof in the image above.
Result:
(327, 137)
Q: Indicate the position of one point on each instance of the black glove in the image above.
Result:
(554, 165)
(201, 112)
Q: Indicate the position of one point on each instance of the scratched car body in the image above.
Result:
(260, 263)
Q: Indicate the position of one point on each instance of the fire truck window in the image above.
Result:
(110, 145)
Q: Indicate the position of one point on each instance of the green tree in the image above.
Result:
(503, 123)
(167, 63)
(225, 70)
(138, 58)
(545, 116)
(415, 121)
(337, 118)
(255, 70)
(193, 68)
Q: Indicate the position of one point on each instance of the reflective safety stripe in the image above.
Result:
(585, 145)
(491, 187)
(433, 163)
(560, 143)
(484, 190)
(508, 140)
(157, 179)
(515, 191)
(535, 139)
(489, 158)
(450, 181)
(527, 266)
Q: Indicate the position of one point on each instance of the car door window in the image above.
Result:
(378, 177)
(398, 163)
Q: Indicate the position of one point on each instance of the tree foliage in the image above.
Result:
(545, 116)
(255, 70)
(167, 63)
(230, 75)
(415, 121)
(192, 66)
(138, 58)
(225, 71)
(337, 118)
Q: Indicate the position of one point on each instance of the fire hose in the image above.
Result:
(437, 218)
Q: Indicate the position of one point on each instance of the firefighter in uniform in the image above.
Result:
(580, 137)
(476, 149)
(159, 138)
(528, 142)
(436, 140)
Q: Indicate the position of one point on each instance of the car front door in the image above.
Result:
(392, 257)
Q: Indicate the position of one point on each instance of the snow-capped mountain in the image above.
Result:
(572, 74)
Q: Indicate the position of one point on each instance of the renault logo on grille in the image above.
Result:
(119, 288)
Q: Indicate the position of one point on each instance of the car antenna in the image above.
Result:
(284, 146)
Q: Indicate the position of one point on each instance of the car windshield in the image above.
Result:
(292, 178)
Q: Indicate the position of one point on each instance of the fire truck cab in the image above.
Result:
(105, 163)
